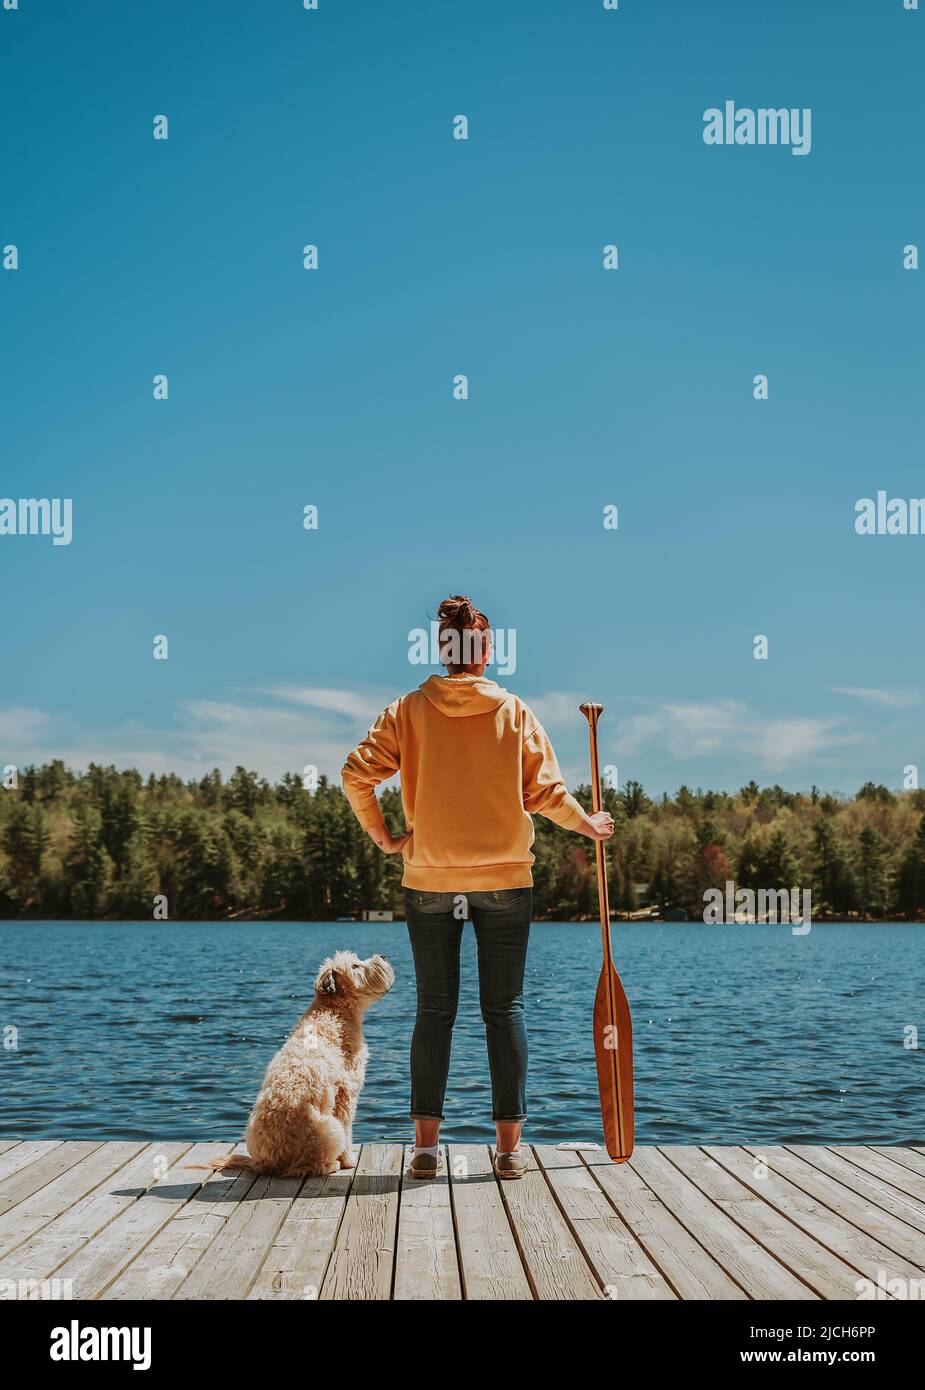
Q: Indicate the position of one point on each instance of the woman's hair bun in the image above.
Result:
(459, 614)
(457, 611)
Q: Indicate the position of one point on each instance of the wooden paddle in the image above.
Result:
(613, 1027)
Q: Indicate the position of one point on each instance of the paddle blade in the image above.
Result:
(613, 1053)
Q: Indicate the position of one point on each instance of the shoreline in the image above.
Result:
(847, 919)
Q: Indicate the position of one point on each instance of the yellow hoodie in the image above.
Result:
(475, 763)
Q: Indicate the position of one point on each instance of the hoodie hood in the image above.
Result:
(458, 696)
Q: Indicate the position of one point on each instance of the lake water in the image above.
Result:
(741, 1033)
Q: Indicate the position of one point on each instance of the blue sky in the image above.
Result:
(438, 256)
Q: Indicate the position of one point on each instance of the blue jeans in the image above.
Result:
(501, 919)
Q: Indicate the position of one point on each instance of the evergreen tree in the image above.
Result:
(779, 867)
(833, 890)
(707, 867)
(245, 791)
(872, 873)
(88, 867)
(911, 879)
(132, 895)
(24, 841)
(871, 791)
(750, 866)
(634, 800)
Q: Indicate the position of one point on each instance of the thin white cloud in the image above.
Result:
(270, 737)
(556, 707)
(354, 704)
(690, 729)
(20, 725)
(894, 699)
(36, 740)
(274, 738)
(778, 743)
(285, 728)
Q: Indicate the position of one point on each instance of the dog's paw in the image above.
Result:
(347, 1160)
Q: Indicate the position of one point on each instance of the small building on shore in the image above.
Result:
(371, 914)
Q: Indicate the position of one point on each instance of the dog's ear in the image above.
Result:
(326, 982)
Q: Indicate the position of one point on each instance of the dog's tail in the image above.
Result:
(228, 1161)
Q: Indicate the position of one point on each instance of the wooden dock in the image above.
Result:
(93, 1220)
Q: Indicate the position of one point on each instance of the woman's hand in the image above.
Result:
(387, 842)
(600, 826)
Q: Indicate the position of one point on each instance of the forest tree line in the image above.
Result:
(105, 843)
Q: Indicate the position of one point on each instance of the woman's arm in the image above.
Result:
(546, 794)
(598, 826)
(371, 762)
(384, 839)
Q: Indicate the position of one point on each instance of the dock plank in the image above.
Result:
(46, 1251)
(893, 1233)
(159, 1268)
(858, 1249)
(19, 1186)
(93, 1268)
(490, 1265)
(822, 1271)
(744, 1259)
(426, 1264)
(19, 1156)
(688, 1267)
(907, 1157)
(610, 1247)
(361, 1263)
(555, 1262)
(233, 1258)
(56, 1197)
(298, 1258)
(871, 1188)
(887, 1169)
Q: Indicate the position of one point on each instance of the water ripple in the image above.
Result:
(131, 1031)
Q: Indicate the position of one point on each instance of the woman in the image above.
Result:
(475, 764)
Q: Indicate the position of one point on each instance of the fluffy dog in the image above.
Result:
(302, 1119)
